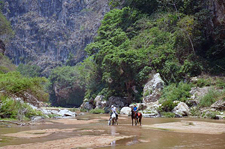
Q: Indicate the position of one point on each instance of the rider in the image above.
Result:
(135, 110)
(113, 109)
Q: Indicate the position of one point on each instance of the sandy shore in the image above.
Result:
(69, 143)
(191, 127)
(37, 133)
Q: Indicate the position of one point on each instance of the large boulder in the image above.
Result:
(152, 89)
(197, 93)
(125, 111)
(99, 102)
(86, 105)
(151, 110)
(219, 105)
(181, 109)
(118, 102)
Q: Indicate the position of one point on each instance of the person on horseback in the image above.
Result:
(135, 110)
(113, 109)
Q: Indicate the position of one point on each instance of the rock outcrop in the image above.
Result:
(151, 110)
(219, 105)
(99, 102)
(181, 109)
(152, 89)
(117, 102)
(49, 31)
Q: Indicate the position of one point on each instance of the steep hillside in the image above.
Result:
(49, 32)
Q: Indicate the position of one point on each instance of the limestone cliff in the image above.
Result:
(48, 31)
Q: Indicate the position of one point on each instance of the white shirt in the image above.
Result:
(113, 109)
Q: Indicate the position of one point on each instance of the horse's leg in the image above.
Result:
(140, 119)
(132, 121)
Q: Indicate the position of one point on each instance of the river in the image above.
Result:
(90, 127)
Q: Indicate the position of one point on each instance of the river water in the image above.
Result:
(142, 138)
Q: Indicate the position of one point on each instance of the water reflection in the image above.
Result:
(113, 133)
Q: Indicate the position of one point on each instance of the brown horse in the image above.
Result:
(137, 116)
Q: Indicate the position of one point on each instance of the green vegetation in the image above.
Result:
(11, 108)
(167, 106)
(195, 111)
(135, 40)
(220, 83)
(68, 83)
(5, 27)
(175, 92)
(29, 70)
(203, 82)
(211, 97)
(5, 64)
(167, 114)
(13, 83)
(97, 111)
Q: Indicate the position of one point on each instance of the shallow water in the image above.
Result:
(142, 138)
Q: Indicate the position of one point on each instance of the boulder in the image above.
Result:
(86, 105)
(118, 102)
(152, 89)
(151, 110)
(181, 109)
(99, 102)
(197, 93)
(66, 112)
(36, 118)
(219, 105)
(125, 111)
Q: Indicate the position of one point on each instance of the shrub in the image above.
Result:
(175, 92)
(97, 111)
(211, 97)
(168, 114)
(220, 83)
(167, 106)
(195, 111)
(16, 109)
(203, 82)
(15, 83)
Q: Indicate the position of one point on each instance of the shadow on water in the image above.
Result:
(139, 136)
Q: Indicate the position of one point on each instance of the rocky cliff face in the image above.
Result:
(48, 31)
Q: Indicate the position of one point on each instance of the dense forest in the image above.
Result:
(172, 37)
(179, 39)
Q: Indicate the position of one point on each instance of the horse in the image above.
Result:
(137, 116)
(113, 119)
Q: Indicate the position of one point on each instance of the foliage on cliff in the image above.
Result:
(5, 64)
(5, 29)
(68, 83)
(174, 38)
(13, 84)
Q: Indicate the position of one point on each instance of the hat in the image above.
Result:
(112, 106)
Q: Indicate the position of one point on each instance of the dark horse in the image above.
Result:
(137, 116)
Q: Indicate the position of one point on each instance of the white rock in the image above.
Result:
(153, 88)
(181, 109)
(125, 111)
(99, 102)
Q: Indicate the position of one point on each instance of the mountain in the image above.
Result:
(49, 32)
